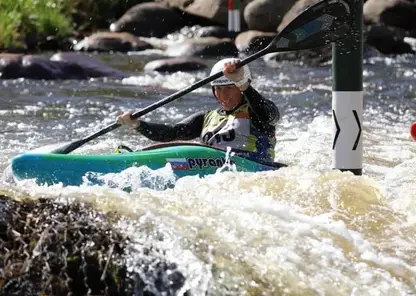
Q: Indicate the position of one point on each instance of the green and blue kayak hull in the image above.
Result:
(185, 160)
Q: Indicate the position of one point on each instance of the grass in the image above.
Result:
(18, 18)
(21, 18)
(9, 26)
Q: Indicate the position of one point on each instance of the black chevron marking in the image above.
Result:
(338, 130)
(357, 140)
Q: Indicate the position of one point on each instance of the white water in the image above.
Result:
(302, 230)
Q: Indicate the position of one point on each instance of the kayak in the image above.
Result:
(184, 159)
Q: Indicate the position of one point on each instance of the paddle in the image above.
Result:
(319, 25)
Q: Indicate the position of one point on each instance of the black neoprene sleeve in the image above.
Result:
(187, 129)
(262, 110)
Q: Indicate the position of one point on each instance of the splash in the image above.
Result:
(133, 178)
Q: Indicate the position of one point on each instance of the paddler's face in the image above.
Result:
(228, 96)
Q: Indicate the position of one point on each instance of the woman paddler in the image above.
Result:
(245, 121)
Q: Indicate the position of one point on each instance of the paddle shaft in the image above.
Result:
(172, 97)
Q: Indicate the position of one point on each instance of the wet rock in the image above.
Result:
(50, 248)
(370, 52)
(386, 40)
(197, 31)
(411, 41)
(5, 217)
(60, 66)
(46, 244)
(217, 31)
(253, 41)
(10, 65)
(175, 64)
(149, 20)
(266, 15)
(38, 67)
(294, 11)
(176, 3)
(396, 13)
(193, 19)
(110, 41)
(93, 67)
(203, 47)
(312, 57)
(90, 16)
(215, 10)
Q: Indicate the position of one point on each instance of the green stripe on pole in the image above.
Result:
(347, 55)
(237, 4)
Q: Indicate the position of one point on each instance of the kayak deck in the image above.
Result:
(185, 160)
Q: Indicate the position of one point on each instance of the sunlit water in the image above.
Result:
(302, 230)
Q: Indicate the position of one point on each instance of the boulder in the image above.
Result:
(411, 41)
(266, 15)
(253, 41)
(293, 12)
(92, 66)
(386, 40)
(175, 64)
(313, 57)
(109, 41)
(175, 3)
(149, 20)
(59, 66)
(6, 217)
(396, 13)
(10, 65)
(216, 31)
(203, 47)
(215, 10)
(38, 67)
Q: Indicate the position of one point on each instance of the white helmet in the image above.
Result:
(219, 67)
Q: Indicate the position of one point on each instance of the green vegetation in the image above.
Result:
(19, 18)
(9, 26)
(22, 18)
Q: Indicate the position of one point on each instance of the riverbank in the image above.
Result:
(31, 26)
(53, 248)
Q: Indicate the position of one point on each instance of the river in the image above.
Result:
(301, 230)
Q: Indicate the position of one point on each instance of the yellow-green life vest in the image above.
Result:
(235, 130)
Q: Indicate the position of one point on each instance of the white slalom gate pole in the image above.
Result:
(347, 96)
(230, 15)
(237, 15)
(347, 118)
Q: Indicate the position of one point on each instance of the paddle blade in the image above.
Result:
(319, 25)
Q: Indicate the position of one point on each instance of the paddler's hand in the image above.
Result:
(126, 120)
(236, 75)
